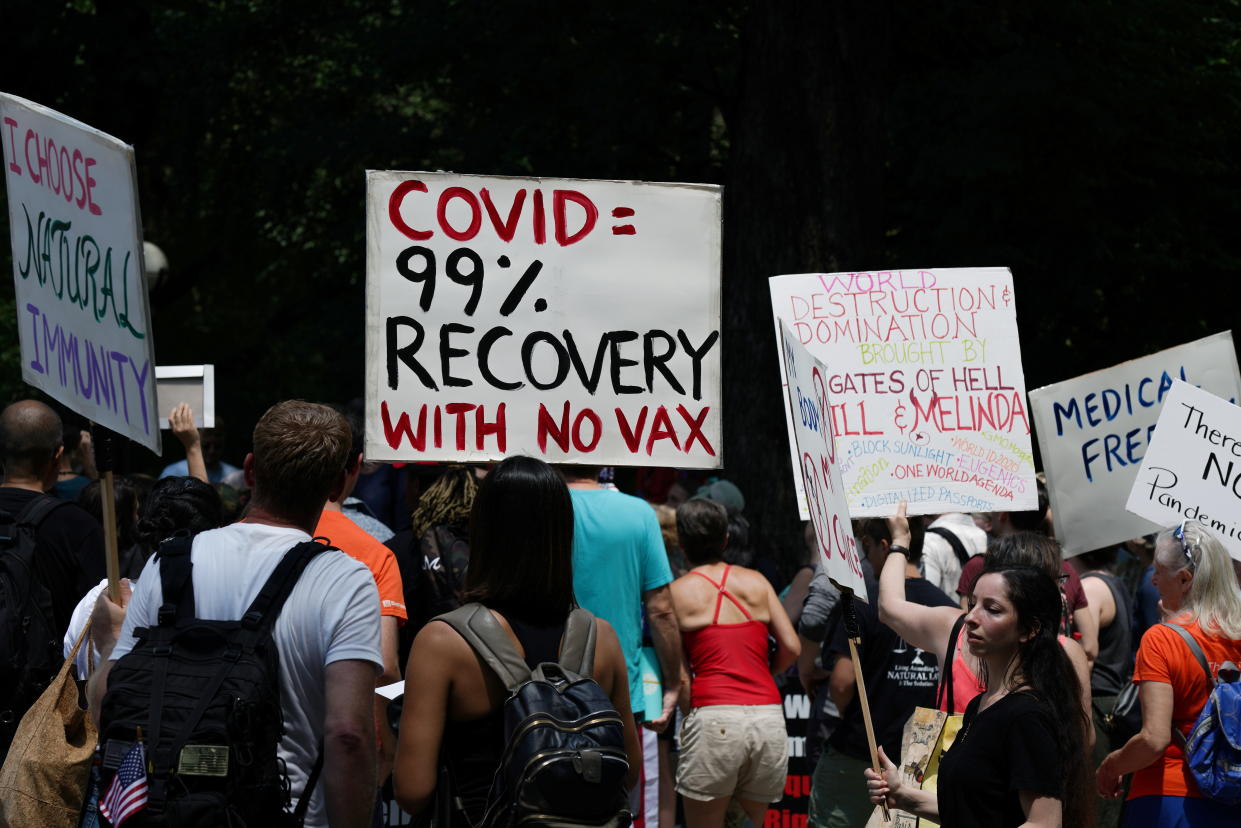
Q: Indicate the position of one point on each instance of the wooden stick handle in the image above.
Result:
(109, 537)
(870, 727)
(853, 631)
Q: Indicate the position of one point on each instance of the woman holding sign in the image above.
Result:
(940, 630)
(1198, 591)
(1020, 757)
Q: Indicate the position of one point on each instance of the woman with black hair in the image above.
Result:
(521, 569)
(1020, 758)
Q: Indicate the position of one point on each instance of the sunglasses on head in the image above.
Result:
(1187, 546)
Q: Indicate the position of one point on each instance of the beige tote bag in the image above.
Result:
(44, 778)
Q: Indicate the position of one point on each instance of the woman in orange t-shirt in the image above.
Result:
(1198, 590)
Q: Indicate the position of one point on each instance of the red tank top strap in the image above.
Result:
(724, 593)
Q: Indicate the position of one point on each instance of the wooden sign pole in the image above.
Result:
(109, 537)
(855, 637)
(104, 461)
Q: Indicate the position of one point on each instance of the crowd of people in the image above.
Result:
(307, 570)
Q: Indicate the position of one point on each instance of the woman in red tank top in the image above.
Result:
(733, 741)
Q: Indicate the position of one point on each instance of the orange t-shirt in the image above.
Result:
(351, 539)
(1164, 656)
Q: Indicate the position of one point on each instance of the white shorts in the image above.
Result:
(736, 750)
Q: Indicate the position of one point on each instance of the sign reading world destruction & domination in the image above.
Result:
(928, 394)
(575, 321)
(82, 316)
(816, 468)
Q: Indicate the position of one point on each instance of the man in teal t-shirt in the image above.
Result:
(620, 567)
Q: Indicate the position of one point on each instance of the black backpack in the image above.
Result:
(433, 580)
(31, 650)
(206, 695)
(564, 760)
(444, 556)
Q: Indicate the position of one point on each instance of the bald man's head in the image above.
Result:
(30, 434)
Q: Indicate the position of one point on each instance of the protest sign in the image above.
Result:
(816, 467)
(1192, 467)
(82, 315)
(1093, 432)
(190, 384)
(575, 321)
(928, 394)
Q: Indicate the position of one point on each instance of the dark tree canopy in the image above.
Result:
(1090, 147)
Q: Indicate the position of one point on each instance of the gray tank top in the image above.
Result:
(1114, 667)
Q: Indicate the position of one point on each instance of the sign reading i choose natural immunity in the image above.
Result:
(77, 265)
(576, 321)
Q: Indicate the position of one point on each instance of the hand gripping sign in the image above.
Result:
(575, 321)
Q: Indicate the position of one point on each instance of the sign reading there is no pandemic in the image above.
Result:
(575, 321)
(1094, 430)
(1192, 469)
(928, 393)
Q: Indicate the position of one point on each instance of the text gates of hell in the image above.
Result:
(927, 389)
(576, 321)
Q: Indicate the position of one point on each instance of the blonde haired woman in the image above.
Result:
(1198, 592)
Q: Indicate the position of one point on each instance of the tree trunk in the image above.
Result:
(803, 195)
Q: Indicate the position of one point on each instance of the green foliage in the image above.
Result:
(1092, 147)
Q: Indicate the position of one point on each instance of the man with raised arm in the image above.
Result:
(327, 633)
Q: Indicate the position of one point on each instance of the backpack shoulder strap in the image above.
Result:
(577, 648)
(37, 510)
(483, 632)
(1178, 738)
(1196, 649)
(176, 579)
(951, 537)
(265, 607)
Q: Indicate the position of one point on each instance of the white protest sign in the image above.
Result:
(82, 315)
(1093, 432)
(928, 394)
(190, 384)
(815, 467)
(1192, 468)
(575, 321)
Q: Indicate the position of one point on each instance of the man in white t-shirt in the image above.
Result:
(328, 631)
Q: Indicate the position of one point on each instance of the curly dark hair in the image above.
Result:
(178, 503)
